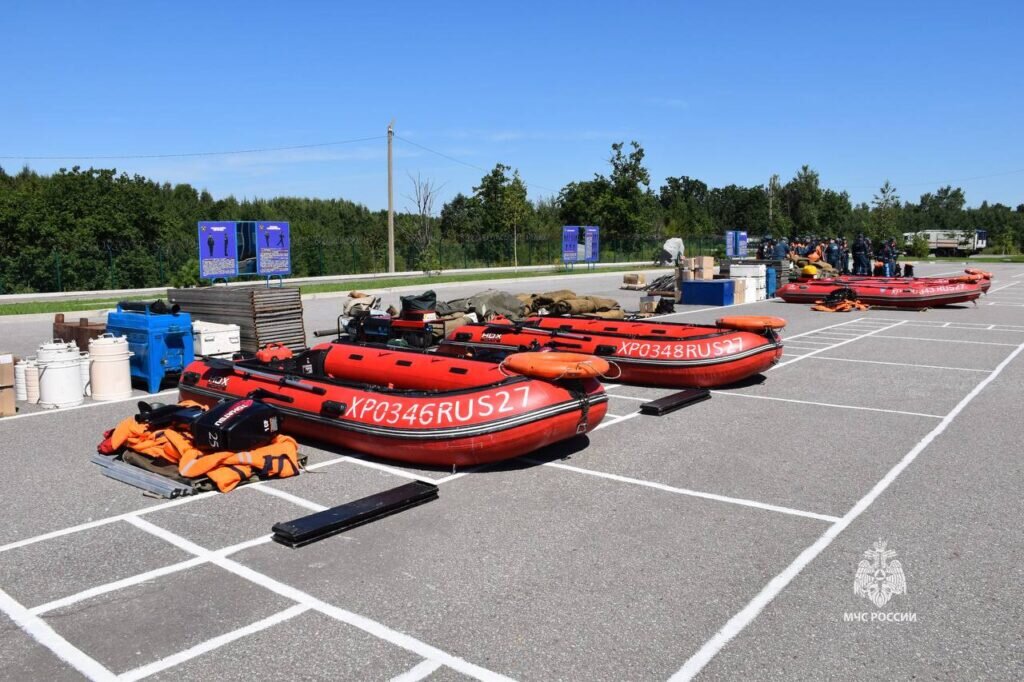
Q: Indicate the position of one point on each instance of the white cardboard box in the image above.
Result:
(757, 270)
(211, 338)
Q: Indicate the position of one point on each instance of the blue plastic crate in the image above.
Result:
(707, 292)
(161, 343)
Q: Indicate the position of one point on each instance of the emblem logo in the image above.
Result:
(879, 575)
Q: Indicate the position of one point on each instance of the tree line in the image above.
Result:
(97, 228)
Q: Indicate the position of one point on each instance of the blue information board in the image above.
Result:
(273, 248)
(570, 243)
(575, 252)
(218, 251)
(591, 244)
(736, 244)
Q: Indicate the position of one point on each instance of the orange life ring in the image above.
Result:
(552, 365)
(750, 323)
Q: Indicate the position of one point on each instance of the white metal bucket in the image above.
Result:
(55, 350)
(110, 375)
(60, 383)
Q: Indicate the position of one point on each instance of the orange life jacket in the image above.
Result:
(279, 459)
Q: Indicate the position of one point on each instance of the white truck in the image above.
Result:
(951, 242)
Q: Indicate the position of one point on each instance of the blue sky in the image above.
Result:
(921, 93)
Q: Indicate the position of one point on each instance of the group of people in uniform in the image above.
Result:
(837, 252)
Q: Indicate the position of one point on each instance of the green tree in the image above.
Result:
(802, 200)
(885, 212)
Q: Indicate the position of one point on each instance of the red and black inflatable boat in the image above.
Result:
(651, 353)
(982, 279)
(406, 405)
(886, 292)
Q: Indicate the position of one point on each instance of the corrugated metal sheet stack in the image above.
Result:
(263, 314)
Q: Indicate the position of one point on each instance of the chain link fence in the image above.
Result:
(119, 265)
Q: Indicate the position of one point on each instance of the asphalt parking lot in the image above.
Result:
(720, 541)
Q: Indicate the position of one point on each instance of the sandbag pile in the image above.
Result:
(566, 302)
(486, 305)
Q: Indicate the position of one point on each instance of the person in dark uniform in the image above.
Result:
(894, 254)
(225, 245)
(781, 249)
(209, 244)
(861, 262)
(832, 254)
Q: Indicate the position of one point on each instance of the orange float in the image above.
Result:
(750, 323)
(554, 366)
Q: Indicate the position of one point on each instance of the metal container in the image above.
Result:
(110, 376)
(20, 394)
(161, 343)
(55, 350)
(31, 382)
(60, 375)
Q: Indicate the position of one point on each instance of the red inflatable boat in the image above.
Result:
(885, 292)
(982, 279)
(650, 353)
(406, 405)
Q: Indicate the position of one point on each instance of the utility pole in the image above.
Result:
(391, 201)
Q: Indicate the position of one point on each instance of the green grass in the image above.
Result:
(381, 283)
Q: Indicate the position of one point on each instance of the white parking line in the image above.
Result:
(689, 493)
(417, 672)
(48, 637)
(371, 465)
(805, 402)
(211, 644)
(901, 364)
(89, 403)
(1005, 286)
(102, 522)
(605, 424)
(837, 345)
(139, 578)
(845, 407)
(116, 585)
(745, 616)
(372, 627)
(921, 338)
(294, 499)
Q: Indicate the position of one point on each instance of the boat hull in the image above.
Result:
(455, 427)
(651, 354)
(883, 294)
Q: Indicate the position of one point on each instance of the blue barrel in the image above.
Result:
(161, 343)
(770, 281)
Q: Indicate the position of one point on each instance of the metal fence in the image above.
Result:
(111, 265)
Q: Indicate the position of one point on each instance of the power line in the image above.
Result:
(193, 154)
(466, 163)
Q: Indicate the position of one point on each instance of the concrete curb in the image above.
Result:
(487, 283)
(104, 294)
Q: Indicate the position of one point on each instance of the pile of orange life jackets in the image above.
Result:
(279, 459)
